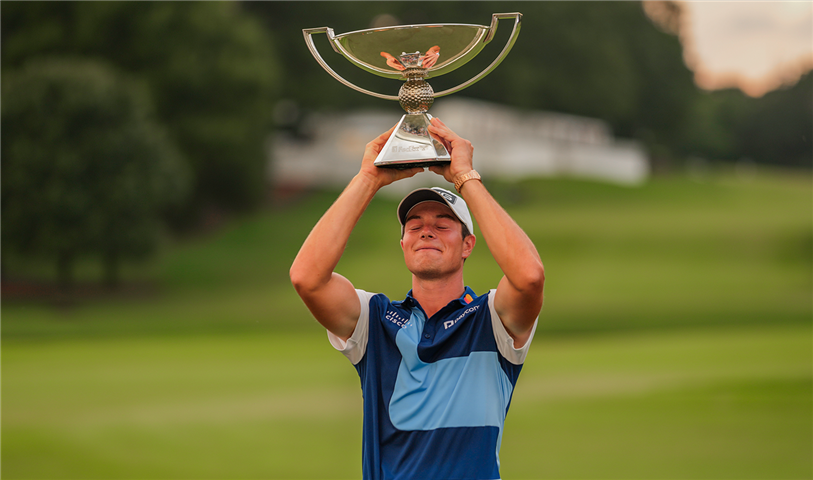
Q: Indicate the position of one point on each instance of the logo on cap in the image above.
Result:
(451, 198)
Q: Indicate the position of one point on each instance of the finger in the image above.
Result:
(438, 123)
(409, 172)
(441, 130)
(386, 135)
(445, 143)
(437, 126)
(442, 134)
(382, 139)
(374, 147)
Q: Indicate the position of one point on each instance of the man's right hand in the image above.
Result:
(382, 176)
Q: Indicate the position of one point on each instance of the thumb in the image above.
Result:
(440, 169)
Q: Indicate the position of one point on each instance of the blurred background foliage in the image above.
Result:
(214, 75)
(211, 69)
(85, 166)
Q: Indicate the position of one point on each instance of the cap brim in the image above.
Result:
(416, 197)
(455, 203)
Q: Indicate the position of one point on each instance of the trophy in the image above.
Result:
(426, 51)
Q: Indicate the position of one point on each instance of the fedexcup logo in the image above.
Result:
(409, 149)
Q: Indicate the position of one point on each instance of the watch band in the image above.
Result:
(465, 177)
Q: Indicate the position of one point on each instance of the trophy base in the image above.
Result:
(411, 145)
(404, 166)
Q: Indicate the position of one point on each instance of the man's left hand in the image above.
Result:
(460, 149)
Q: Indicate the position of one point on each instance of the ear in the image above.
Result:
(468, 245)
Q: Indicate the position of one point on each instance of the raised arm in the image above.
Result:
(330, 297)
(518, 300)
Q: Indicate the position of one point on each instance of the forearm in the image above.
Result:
(513, 251)
(322, 250)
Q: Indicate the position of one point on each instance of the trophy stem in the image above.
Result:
(416, 95)
(411, 145)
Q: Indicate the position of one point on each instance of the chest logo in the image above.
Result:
(395, 318)
(451, 323)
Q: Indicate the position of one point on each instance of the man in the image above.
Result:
(438, 368)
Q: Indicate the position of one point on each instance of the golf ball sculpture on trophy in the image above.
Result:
(427, 51)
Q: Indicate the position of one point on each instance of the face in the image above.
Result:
(433, 243)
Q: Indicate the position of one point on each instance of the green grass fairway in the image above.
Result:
(727, 403)
(671, 253)
(675, 342)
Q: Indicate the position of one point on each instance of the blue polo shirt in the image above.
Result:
(436, 390)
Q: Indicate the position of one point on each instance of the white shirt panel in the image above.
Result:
(505, 344)
(355, 346)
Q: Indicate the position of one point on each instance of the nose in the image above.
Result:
(427, 233)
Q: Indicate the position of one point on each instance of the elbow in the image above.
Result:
(307, 280)
(534, 279)
(300, 279)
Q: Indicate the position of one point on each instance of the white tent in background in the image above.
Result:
(509, 144)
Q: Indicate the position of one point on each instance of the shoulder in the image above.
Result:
(354, 347)
(505, 343)
(377, 307)
(374, 303)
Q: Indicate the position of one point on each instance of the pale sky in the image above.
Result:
(756, 46)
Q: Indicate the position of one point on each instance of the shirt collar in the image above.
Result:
(465, 299)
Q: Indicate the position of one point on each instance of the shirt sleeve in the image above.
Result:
(505, 344)
(355, 346)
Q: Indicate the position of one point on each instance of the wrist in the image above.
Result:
(369, 180)
(461, 178)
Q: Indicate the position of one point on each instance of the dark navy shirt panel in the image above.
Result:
(458, 343)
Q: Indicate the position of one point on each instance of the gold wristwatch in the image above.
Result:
(465, 177)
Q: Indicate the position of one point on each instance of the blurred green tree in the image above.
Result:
(712, 131)
(86, 170)
(779, 126)
(773, 129)
(211, 70)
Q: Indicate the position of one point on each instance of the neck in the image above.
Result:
(434, 294)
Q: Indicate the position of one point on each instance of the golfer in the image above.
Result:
(437, 368)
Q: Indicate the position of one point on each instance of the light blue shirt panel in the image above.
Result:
(470, 391)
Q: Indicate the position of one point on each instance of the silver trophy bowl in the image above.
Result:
(414, 53)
